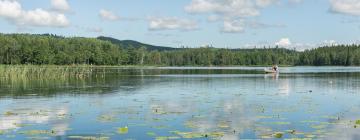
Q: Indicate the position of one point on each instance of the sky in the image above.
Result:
(298, 24)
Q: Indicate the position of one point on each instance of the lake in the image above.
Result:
(228, 103)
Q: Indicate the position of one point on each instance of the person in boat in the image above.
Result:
(275, 68)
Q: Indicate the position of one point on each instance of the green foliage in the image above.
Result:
(55, 50)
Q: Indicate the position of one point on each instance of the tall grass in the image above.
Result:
(44, 72)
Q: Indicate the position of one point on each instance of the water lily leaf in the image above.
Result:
(151, 134)
(321, 126)
(190, 124)
(167, 138)
(194, 135)
(8, 113)
(357, 122)
(38, 132)
(223, 125)
(87, 138)
(123, 130)
(106, 118)
(278, 135)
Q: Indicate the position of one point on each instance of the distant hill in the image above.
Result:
(130, 43)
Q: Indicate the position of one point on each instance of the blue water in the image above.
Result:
(196, 103)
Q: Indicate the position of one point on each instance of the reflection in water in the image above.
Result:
(227, 104)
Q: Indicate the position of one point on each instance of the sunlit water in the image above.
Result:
(177, 103)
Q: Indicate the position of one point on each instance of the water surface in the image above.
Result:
(227, 103)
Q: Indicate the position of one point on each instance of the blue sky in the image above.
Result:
(296, 24)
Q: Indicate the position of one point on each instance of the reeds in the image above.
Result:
(44, 72)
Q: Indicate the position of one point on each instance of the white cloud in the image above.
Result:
(349, 7)
(264, 3)
(10, 9)
(60, 5)
(39, 17)
(233, 26)
(229, 11)
(284, 42)
(329, 43)
(227, 8)
(239, 25)
(13, 12)
(171, 23)
(108, 15)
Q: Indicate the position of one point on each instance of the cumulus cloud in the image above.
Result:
(228, 8)
(172, 23)
(231, 12)
(233, 26)
(60, 5)
(349, 7)
(239, 25)
(283, 42)
(108, 15)
(12, 11)
(329, 43)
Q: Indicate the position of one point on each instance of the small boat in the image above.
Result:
(270, 70)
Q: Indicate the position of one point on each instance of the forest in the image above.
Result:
(47, 49)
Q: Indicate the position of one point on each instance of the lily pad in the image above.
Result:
(87, 138)
(151, 134)
(38, 132)
(167, 138)
(123, 130)
(106, 118)
(357, 122)
(8, 113)
(194, 135)
(190, 124)
(278, 135)
(223, 125)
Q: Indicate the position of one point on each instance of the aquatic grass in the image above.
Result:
(44, 71)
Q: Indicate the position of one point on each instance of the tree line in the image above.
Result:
(57, 50)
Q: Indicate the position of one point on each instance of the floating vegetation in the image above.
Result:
(167, 138)
(88, 138)
(291, 131)
(151, 134)
(278, 135)
(277, 123)
(123, 130)
(8, 113)
(357, 122)
(310, 135)
(320, 126)
(192, 135)
(223, 125)
(190, 124)
(38, 132)
(38, 138)
(106, 118)
(160, 127)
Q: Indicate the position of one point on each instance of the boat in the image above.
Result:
(270, 70)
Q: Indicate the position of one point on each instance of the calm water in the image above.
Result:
(177, 103)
